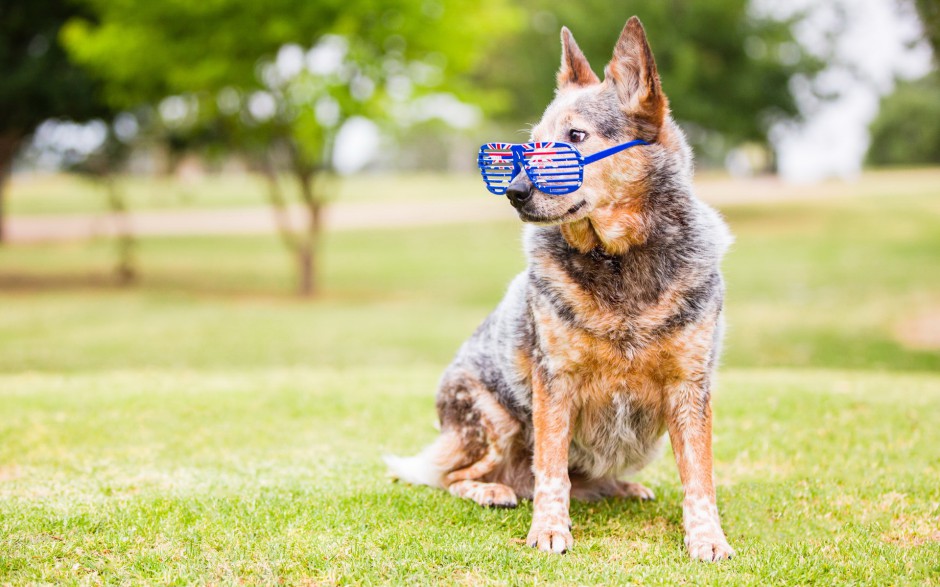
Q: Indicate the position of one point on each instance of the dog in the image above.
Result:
(610, 337)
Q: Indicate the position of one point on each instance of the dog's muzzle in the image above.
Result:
(520, 191)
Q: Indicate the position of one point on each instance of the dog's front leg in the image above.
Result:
(690, 431)
(551, 419)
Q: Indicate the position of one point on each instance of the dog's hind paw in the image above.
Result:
(634, 490)
(494, 495)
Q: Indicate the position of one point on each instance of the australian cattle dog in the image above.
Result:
(610, 337)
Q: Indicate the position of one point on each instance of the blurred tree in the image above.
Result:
(725, 70)
(907, 128)
(929, 12)
(101, 166)
(280, 77)
(38, 80)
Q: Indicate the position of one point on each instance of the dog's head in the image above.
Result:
(594, 115)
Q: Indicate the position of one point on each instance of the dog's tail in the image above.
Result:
(429, 466)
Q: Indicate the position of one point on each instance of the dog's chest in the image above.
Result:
(617, 384)
(605, 325)
(625, 298)
(619, 405)
(618, 427)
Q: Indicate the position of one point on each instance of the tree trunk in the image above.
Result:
(9, 144)
(306, 268)
(279, 207)
(126, 269)
(302, 243)
(309, 245)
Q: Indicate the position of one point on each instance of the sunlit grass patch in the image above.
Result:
(264, 475)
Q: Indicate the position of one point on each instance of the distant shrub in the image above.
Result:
(907, 129)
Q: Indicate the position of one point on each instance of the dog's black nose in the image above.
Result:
(519, 191)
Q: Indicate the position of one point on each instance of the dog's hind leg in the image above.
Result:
(477, 434)
(499, 430)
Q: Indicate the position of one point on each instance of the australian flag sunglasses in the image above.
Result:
(554, 167)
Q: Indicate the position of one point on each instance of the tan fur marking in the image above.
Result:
(593, 489)
(618, 219)
(551, 419)
(690, 432)
(619, 226)
(580, 235)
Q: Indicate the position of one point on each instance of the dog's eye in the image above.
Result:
(576, 136)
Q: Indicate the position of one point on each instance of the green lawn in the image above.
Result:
(207, 427)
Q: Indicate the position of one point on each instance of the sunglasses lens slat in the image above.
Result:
(497, 166)
(548, 178)
(554, 168)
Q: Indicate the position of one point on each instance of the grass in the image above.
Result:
(268, 475)
(206, 427)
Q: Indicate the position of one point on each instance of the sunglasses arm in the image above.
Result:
(612, 151)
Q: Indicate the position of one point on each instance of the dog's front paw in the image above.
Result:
(708, 546)
(550, 538)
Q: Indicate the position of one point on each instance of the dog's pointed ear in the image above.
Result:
(575, 69)
(632, 71)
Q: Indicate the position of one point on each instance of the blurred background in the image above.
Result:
(240, 241)
(293, 182)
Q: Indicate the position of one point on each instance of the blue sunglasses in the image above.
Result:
(555, 168)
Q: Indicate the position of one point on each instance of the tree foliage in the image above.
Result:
(38, 80)
(929, 12)
(907, 129)
(724, 69)
(148, 50)
(221, 61)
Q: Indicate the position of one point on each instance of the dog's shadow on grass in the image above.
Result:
(606, 519)
(629, 518)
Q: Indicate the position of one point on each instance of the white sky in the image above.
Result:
(873, 48)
